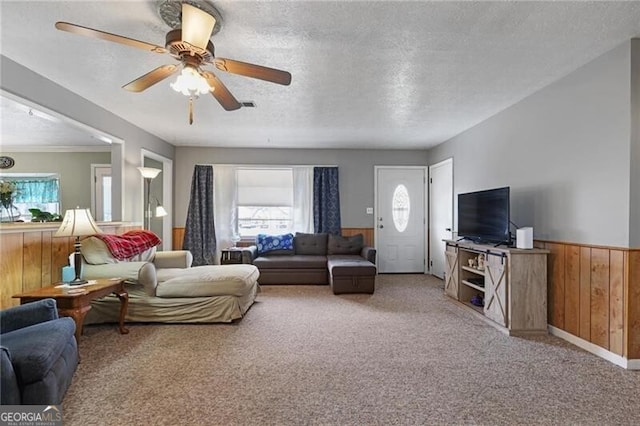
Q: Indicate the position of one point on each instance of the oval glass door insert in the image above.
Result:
(401, 207)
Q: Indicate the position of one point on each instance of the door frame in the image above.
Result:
(438, 164)
(425, 207)
(167, 195)
(94, 200)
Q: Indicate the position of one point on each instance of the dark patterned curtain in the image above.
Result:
(200, 232)
(326, 200)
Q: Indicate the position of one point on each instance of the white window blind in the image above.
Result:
(264, 187)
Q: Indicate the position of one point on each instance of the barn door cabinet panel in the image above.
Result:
(506, 285)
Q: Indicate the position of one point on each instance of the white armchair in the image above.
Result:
(163, 287)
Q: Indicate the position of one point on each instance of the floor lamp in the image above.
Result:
(77, 223)
(148, 173)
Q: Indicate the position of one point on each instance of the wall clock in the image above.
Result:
(6, 162)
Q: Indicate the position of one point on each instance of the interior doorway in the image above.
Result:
(440, 214)
(101, 205)
(161, 194)
(400, 219)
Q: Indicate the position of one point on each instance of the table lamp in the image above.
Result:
(77, 223)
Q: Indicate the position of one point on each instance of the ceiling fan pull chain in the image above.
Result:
(190, 109)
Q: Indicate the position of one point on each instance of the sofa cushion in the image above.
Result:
(315, 244)
(291, 262)
(343, 266)
(270, 243)
(210, 280)
(345, 245)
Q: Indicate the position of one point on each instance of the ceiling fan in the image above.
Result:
(190, 45)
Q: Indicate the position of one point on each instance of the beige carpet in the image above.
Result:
(405, 355)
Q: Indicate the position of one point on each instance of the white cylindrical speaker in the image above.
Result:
(524, 238)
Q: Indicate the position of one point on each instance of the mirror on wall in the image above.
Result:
(56, 163)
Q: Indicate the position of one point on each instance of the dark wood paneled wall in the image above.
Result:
(31, 259)
(367, 233)
(178, 236)
(594, 294)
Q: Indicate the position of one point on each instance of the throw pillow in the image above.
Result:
(96, 252)
(267, 243)
(345, 245)
(311, 244)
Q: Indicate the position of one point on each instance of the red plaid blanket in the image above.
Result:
(130, 243)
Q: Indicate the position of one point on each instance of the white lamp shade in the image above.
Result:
(149, 172)
(197, 26)
(161, 212)
(76, 223)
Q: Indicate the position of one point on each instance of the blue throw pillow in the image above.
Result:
(267, 243)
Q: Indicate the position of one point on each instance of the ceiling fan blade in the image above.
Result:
(197, 26)
(90, 32)
(255, 71)
(220, 92)
(151, 78)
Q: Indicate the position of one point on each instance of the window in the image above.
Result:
(401, 207)
(35, 191)
(264, 201)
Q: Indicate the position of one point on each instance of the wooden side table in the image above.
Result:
(76, 304)
(231, 256)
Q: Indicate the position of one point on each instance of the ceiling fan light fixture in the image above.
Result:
(190, 82)
(197, 26)
(170, 11)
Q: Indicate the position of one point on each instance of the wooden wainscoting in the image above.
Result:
(366, 232)
(31, 257)
(178, 236)
(594, 294)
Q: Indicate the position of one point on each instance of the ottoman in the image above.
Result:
(351, 276)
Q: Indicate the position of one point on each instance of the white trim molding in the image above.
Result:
(629, 364)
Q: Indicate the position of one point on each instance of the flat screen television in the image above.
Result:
(483, 216)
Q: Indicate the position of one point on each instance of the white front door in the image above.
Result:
(400, 219)
(440, 214)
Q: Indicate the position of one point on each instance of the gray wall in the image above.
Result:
(74, 169)
(356, 172)
(564, 151)
(22, 82)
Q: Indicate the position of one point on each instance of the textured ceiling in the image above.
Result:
(377, 74)
(27, 127)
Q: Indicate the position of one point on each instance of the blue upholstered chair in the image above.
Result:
(38, 354)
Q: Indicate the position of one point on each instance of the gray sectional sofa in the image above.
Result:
(342, 262)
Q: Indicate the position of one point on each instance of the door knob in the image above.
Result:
(448, 229)
(381, 226)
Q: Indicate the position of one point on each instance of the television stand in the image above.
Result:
(503, 243)
(510, 282)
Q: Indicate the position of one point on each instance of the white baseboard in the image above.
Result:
(629, 364)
